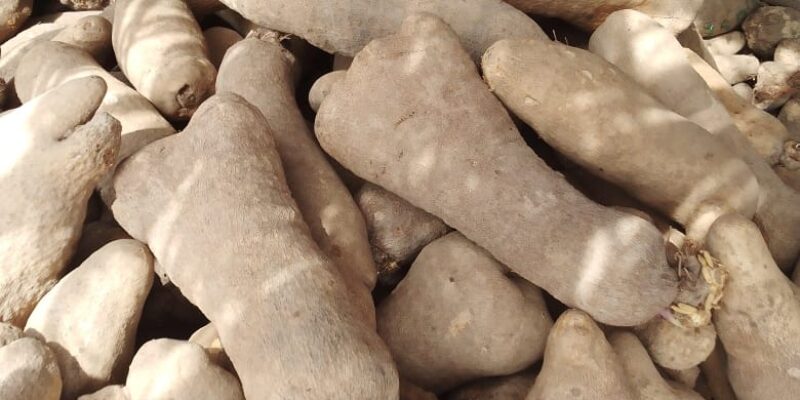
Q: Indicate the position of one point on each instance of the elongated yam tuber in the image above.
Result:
(677, 15)
(579, 362)
(50, 166)
(161, 50)
(322, 88)
(653, 58)
(261, 72)
(48, 64)
(91, 33)
(213, 206)
(346, 27)
(759, 321)
(219, 39)
(457, 317)
(436, 136)
(658, 156)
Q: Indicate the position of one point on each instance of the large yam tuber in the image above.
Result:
(435, 135)
(261, 72)
(346, 27)
(660, 157)
(50, 166)
(213, 205)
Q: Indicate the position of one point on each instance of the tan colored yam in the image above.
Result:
(641, 371)
(579, 362)
(213, 205)
(675, 347)
(759, 321)
(347, 26)
(13, 14)
(49, 64)
(261, 72)
(160, 48)
(112, 392)
(649, 54)
(457, 317)
(676, 15)
(397, 230)
(91, 33)
(53, 157)
(715, 375)
(219, 39)
(90, 317)
(322, 87)
(208, 338)
(666, 161)
(29, 371)
(511, 387)
(436, 136)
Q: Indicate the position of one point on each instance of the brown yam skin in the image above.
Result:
(608, 124)
(436, 136)
(213, 205)
(511, 387)
(13, 14)
(677, 15)
(457, 316)
(346, 26)
(160, 48)
(261, 72)
(759, 318)
(580, 363)
(651, 56)
(219, 39)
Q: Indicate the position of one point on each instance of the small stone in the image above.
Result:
(788, 52)
(28, 371)
(790, 117)
(768, 26)
(167, 369)
(721, 16)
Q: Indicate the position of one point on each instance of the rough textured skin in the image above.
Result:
(434, 135)
(92, 33)
(160, 48)
(648, 54)
(346, 26)
(512, 387)
(409, 391)
(113, 392)
(768, 26)
(397, 230)
(90, 317)
(674, 347)
(13, 14)
(457, 317)
(9, 333)
(645, 378)
(726, 44)
(579, 364)
(29, 371)
(218, 40)
(49, 170)
(666, 161)
(686, 377)
(213, 206)
(716, 17)
(322, 87)
(777, 83)
(676, 15)
(49, 64)
(765, 133)
(261, 72)
(759, 320)
(167, 369)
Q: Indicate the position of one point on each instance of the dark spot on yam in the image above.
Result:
(452, 279)
(575, 392)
